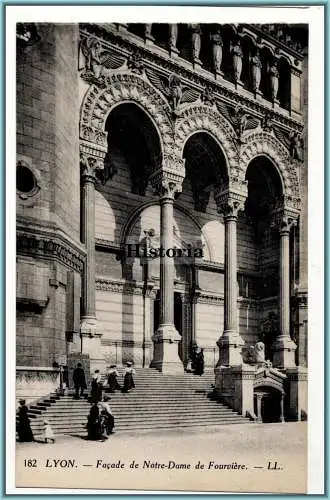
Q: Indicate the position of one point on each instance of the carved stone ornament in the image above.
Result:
(172, 88)
(97, 105)
(284, 219)
(167, 181)
(207, 97)
(135, 63)
(95, 61)
(262, 143)
(205, 119)
(89, 166)
(50, 247)
(231, 200)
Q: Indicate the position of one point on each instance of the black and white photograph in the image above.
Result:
(161, 330)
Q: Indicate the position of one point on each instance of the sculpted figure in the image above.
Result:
(273, 75)
(237, 56)
(173, 35)
(196, 40)
(217, 43)
(256, 71)
(259, 351)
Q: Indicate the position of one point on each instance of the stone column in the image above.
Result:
(89, 329)
(230, 343)
(166, 339)
(283, 347)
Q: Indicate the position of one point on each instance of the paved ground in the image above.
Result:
(247, 457)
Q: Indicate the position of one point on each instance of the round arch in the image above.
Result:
(202, 118)
(126, 228)
(123, 88)
(264, 144)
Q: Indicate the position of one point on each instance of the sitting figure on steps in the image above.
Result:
(106, 416)
(128, 377)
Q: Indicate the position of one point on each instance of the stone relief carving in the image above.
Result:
(266, 144)
(50, 247)
(198, 81)
(94, 61)
(239, 119)
(172, 88)
(204, 118)
(98, 102)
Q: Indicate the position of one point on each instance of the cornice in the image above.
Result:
(154, 57)
(49, 246)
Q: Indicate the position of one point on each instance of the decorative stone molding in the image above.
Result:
(208, 298)
(167, 180)
(263, 143)
(122, 287)
(231, 199)
(284, 219)
(203, 118)
(125, 43)
(122, 88)
(50, 247)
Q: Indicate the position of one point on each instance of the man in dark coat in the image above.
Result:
(79, 381)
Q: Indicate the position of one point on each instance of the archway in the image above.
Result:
(264, 189)
(133, 137)
(205, 167)
(268, 404)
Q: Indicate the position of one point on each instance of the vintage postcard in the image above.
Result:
(164, 303)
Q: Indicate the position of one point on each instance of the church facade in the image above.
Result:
(161, 196)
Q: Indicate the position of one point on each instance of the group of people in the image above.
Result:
(24, 430)
(100, 421)
(196, 361)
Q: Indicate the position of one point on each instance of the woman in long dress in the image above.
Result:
(113, 379)
(199, 362)
(24, 430)
(96, 387)
(93, 422)
(128, 377)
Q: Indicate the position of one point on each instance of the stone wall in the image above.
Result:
(48, 220)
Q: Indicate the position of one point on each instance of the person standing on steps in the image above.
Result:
(79, 381)
(93, 422)
(96, 387)
(24, 430)
(199, 361)
(113, 379)
(128, 377)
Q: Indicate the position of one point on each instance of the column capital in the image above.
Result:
(94, 167)
(167, 180)
(231, 199)
(283, 219)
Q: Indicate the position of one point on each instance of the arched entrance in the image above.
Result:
(268, 404)
(264, 192)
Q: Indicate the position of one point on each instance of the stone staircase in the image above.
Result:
(159, 402)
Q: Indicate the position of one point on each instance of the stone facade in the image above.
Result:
(173, 136)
